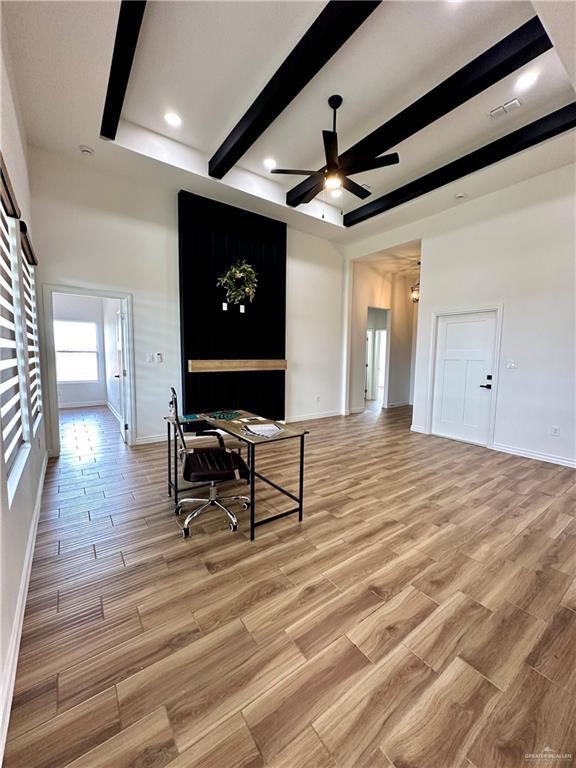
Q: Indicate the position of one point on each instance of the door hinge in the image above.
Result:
(125, 426)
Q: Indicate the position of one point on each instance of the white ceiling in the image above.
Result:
(402, 51)
(404, 259)
(208, 60)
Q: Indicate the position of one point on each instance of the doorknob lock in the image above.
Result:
(486, 386)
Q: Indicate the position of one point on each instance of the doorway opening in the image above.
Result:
(377, 357)
(89, 353)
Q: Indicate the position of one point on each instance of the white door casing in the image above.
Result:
(465, 357)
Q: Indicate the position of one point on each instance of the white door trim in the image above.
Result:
(466, 310)
(49, 357)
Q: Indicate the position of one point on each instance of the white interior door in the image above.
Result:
(123, 369)
(369, 385)
(463, 380)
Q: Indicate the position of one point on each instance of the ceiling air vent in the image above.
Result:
(504, 109)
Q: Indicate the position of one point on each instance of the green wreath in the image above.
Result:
(239, 281)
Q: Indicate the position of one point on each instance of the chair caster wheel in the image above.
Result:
(245, 506)
(178, 511)
(233, 527)
(185, 533)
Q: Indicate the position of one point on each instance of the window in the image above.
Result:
(76, 345)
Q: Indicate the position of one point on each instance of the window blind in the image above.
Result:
(31, 343)
(11, 422)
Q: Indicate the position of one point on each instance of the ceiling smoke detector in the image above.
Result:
(85, 149)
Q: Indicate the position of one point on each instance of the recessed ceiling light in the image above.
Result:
(270, 163)
(173, 119)
(336, 193)
(526, 80)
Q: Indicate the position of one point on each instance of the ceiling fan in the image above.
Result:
(334, 176)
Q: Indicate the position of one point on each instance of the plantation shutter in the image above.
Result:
(11, 422)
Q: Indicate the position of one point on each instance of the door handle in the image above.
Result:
(486, 386)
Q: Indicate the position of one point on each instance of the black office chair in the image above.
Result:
(207, 466)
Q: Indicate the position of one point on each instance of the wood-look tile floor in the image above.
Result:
(422, 616)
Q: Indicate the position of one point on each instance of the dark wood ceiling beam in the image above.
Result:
(534, 133)
(334, 26)
(512, 52)
(127, 32)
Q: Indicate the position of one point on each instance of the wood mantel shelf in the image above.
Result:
(221, 366)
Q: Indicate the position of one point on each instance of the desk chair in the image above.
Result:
(207, 466)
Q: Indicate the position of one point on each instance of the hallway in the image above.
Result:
(429, 589)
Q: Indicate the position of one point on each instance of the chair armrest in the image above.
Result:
(212, 433)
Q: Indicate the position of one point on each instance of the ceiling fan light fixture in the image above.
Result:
(336, 192)
(333, 181)
(270, 163)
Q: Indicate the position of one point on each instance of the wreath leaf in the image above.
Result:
(239, 281)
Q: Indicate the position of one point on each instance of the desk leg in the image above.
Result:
(169, 459)
(252, 460)
(175, 466)
(301, 489)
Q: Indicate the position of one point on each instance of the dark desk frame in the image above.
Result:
(174, 489)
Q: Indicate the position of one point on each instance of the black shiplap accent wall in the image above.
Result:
(212, 237)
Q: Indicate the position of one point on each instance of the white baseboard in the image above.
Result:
(309, 416)
(358, 409)
(87, 404)
(114, 412)
(514, 451)
(11, 662)
(397, 405)
(528, 454)
(146, 439)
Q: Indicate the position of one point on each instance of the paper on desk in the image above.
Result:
(264, 430)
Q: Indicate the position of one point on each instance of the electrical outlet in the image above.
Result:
(555, 430)
(149, 357)
(316, 398)
(159, 357)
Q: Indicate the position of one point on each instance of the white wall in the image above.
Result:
(19, 518)
(314, 298)
(100, 231)
(83, 309)
(516, 248)
(110, 308)
(400, 364)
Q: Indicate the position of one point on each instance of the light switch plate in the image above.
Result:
(511, 363)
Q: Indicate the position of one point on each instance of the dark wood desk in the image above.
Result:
(237, 424)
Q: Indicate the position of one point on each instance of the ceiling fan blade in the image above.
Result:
(356, 189)
(331, 148)
(309, 196)
(297, 172)
(369, 165)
